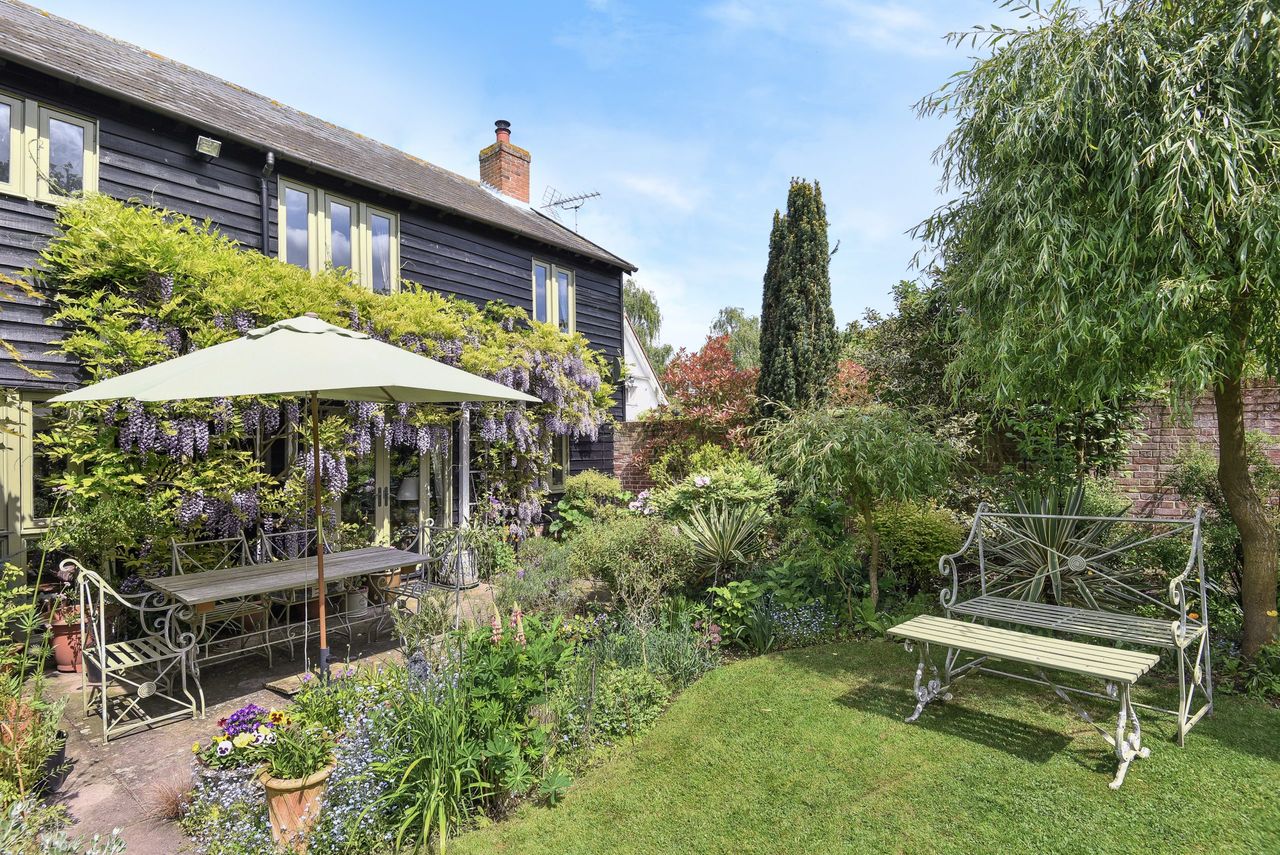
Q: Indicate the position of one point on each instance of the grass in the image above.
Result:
(806, 751)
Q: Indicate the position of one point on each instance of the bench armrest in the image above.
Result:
(1178, 584)
(947, 564)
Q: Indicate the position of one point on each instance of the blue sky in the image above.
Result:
(688, 117)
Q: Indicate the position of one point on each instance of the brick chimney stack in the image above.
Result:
(505, 167)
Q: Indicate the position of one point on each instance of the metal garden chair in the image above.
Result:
(220, 627)
(132, 667)
(284, 546)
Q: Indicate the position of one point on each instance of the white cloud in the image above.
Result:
(836, 24)
(672, 192)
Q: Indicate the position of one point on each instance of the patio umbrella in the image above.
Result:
(302, 356)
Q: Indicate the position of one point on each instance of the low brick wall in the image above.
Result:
(1151, 460)
(630, 459)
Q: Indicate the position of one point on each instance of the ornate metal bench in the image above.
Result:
(1096, 577)
(1074, 575)
(1120, 669)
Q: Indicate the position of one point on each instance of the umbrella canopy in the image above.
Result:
(303, 356)
(300, 356)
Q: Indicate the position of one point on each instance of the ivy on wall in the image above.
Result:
(135, 286)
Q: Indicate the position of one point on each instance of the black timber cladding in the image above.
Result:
(150, 158)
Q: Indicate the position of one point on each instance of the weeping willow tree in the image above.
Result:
(1116, 220)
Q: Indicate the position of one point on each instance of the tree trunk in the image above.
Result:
(873, 563)
(1257, 532)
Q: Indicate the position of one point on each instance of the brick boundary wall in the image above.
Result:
(1143, 478)
(1150, 462)
(630, 463)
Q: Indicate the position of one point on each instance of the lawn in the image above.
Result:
(806, 751)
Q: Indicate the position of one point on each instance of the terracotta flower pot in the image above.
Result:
(66, 645)
(293, 805)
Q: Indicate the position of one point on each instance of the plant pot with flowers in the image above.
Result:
(64, 624)
(297, 762)
(236, 746)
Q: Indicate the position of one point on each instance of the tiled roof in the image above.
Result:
(32, 37)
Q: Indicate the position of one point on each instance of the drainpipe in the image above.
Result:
(267, 168)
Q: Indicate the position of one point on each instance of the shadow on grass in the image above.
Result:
(1013, 737)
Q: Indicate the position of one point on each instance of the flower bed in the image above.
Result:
(465, 730)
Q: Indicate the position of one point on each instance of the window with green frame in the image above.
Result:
(317, 228)
(554, 297)
(46, 154)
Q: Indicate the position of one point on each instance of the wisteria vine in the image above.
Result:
(136, 286)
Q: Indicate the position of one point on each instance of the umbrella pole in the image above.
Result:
(315, 477)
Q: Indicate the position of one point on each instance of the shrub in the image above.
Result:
(28, 718)
(626, 703)
(638, 557)
(724, 537)
(587, 496)
(593, 486)
(683, 458)
(541, 582)
(1258, 677)
(1195, 479)
(736, 482)
(733, 604)
(675, 650)
(421, 623)
(30, 828)
(801, 625)
(914, 536)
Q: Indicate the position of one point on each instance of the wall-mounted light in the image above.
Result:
(208, 146)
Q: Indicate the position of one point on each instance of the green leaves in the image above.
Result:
(1117, 220)
(857, 455)
(724, 535)
(798, 341)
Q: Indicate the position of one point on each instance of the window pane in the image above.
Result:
(440, 489)
(66, 157)
(539, 293)
(358, 502)
(380, 236)
(562, 299)
(406, 491)
(6, 129)
(297, 207)
(42, 466)
(559, 461)
(340, 234)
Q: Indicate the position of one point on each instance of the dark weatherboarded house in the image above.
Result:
(85, 112)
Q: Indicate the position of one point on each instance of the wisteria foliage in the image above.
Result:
(135, 286)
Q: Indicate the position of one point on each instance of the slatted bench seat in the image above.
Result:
(1119, 669)
(1150, 632)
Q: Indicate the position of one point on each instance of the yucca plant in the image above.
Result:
(1030, 557)
(724, 536)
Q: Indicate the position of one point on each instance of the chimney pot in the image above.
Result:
(505, 167)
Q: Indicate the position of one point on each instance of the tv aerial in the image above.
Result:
(555, 204)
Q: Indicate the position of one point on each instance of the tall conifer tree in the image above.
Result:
(798, 341)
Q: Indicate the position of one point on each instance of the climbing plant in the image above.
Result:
(135, 286)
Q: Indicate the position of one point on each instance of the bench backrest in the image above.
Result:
(1126, 564)
(107, 616)
(199, 556)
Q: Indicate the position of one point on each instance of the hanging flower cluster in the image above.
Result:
(136, 286)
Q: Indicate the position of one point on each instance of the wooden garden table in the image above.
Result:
(200, 593)
(202, 590)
